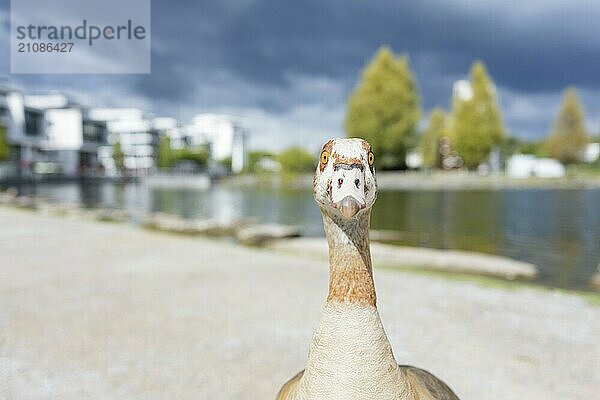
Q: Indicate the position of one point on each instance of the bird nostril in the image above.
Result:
(357, 182)
(340, 181)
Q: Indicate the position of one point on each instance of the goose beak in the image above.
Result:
(348, 189)
(349, 207)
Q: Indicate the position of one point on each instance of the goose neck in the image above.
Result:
(350, 268)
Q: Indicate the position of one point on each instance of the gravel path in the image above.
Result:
(107, 311)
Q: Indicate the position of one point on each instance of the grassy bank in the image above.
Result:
(395, 180)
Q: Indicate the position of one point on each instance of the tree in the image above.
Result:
(384, 109)
(430, 140)
(4, 146)
(254, 158)
(477, 125)
(198, 156)
(513, 145)
(118, 156)
(226, 163)
(296, 160)
(165, 154)
(568, 136)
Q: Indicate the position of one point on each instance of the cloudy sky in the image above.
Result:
(286, 68)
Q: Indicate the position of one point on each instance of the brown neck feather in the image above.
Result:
(350, 271)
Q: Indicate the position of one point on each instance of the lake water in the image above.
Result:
(556, 229)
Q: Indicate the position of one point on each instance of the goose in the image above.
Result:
(350, 356)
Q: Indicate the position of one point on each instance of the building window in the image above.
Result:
(33, 123)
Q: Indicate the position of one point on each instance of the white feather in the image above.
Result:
(350, 357)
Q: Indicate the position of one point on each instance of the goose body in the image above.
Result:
(350, 356)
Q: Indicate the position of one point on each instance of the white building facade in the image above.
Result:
(526, 166)
(49, 134)
(224, 135)
(591, 153)
(133, 131)
(46, 134)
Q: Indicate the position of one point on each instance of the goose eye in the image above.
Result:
(324, 157)
(371, 158)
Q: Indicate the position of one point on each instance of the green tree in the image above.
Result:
(384, 108)
(296, 160)
(199, 156)
(4, 146)
(165, 153)
(568, 136)
(118, 156)
(226, 163)
(254, 157)
(430, 140)
(513, 145)
(477, 125)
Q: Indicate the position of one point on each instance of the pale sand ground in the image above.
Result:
(106, 311)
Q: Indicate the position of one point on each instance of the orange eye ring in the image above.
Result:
(371, 158)
(324, 157)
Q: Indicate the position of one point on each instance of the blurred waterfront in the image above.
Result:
(556, 229)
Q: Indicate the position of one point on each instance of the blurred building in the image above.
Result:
(133, 130)
(169, 127)
(462, 90)
(268, 164)
(49, 135)
(225, 137)
(591, 153)
(414, 160)
(526, 166)
(139, 135)
(52, 135)
(12, 118)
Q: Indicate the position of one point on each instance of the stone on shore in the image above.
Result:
(264, 233)
(111, 215)
(178, 224)
(28, 202)
(424, 258)
(8, 196)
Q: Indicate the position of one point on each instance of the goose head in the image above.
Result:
(344, 184)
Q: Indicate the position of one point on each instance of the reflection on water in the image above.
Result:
(558, 230)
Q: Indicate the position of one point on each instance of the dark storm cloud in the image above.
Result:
(262, 41)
